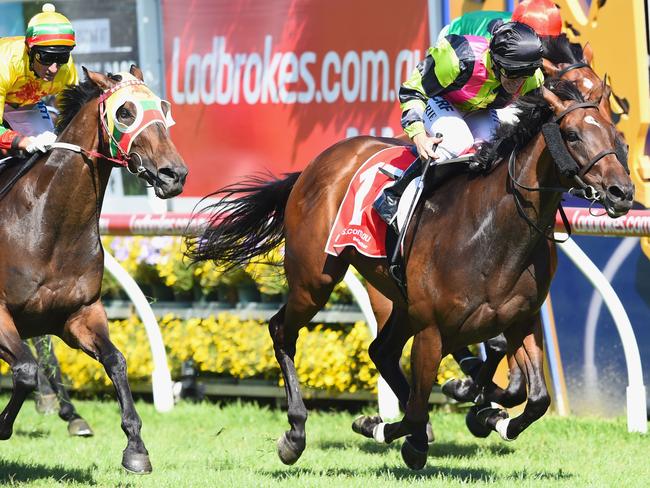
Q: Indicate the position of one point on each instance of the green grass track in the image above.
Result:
(233, 445)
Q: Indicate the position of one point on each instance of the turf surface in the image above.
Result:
(233, 445)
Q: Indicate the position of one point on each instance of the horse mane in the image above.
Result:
(76, 96)
(532, 111)
(560, 50)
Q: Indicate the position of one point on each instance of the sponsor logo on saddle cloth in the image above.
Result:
(148, 107)
(356, 223)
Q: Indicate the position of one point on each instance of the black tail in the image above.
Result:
(247, 221)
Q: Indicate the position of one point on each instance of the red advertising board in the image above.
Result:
(267, 85)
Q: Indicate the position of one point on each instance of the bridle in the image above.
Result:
(567, 166)
(121, 158)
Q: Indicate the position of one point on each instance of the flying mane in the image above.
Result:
(533, 112)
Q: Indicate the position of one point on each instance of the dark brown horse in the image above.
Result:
(567, 61)
(477, 264)
(52, 257)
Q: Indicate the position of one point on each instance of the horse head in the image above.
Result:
(584, 144)
(136, 131)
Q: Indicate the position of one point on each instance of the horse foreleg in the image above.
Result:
(88, 329)
(49, 366)
(23, 367)
(426, 354)
(530, 358)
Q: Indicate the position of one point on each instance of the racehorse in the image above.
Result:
(52, 257)
(567, 61)
(478, 262)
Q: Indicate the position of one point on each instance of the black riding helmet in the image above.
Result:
(516, 49)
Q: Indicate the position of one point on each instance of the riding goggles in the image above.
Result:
(513, 73)
(48, 59)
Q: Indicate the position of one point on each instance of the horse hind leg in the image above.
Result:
(23, 367)
(50, 369)
(304, 301)
(88, 330)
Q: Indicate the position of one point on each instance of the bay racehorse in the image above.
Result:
(52, 260)
(563, 60)
(478, 260)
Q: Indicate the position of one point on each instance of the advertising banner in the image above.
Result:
(259, 86)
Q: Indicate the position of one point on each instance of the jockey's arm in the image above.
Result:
(438, 71)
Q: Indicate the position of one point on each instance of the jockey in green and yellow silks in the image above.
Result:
(33, 67)
(455, 90)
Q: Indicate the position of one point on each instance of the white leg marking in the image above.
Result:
(502, 429)
(378, 433)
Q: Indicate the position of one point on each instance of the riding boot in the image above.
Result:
(387, 203)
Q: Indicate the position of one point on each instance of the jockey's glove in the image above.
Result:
(41, 142)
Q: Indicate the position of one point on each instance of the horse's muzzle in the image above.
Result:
(169, 180)
(618, 199)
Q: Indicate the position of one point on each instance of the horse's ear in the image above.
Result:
(98, 79)
(137, 72)
(553, 100)
(588, 53)
(550, 69)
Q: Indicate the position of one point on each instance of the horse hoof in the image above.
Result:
(79, 427)
(413, 457)
(6, 434)
(365, 424)
(137, 463)
(476, 428)
(430, 436)
(288, 452)
(47, 404)
(462, 391)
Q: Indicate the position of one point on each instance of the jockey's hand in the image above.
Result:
(40, 143)
(424, 144)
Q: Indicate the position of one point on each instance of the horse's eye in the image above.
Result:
(123, 113)
(572, 136)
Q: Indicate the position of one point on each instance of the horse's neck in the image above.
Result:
(497, 218)
(534, 168)
(78, 184)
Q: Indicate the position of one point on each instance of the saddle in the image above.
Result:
(435, 177)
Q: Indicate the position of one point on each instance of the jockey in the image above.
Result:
(542, 15)
(455, 91)
(33, 67)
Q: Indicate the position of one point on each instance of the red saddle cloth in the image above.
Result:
(357, 224)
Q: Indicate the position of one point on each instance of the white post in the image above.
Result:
(388, 403)
(636, 392)
(163, 397)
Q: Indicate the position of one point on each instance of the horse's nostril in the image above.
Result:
(168, 172)
(616, 193)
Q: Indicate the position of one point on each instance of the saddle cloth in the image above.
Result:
(357, 224)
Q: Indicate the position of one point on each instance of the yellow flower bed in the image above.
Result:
(328, 358)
